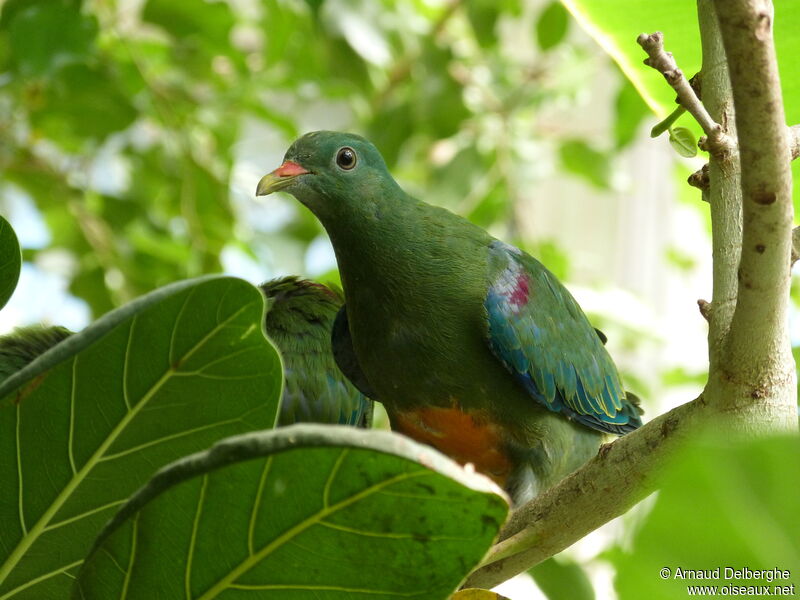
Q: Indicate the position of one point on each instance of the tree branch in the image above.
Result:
(664, 63)
(758, 353)
(724, 193)
(622, 474)
(700, 179)
(628, 470)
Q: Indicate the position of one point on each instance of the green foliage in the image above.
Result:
(631, 111)
(134, 135)
(476, 594)
(579, 158)
(560, 579)
(10, 261)
(127, 128)
(683, 141)
(350, 501)
(615, 29)
(724, 504)
(166, 375)
(552, 26)
(44, 37)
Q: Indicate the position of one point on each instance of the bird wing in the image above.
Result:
(345, 355)
(539, 332)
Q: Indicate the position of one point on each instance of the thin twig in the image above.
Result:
(757, 346)
(663, 62)
(795, 244)
(700, 180)
(705, 309)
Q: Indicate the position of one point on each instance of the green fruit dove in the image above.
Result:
(299, 320)
(473, 346)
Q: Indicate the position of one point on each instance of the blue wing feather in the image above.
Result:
(542, 336)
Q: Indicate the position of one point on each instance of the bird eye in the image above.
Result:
(346, 158)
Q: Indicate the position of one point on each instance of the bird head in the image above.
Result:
(330, 172)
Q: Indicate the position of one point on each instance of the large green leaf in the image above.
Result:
(723, 505)
(476, 594)
(303, 512)
(615, 24)
(89, 421)
(10, 261)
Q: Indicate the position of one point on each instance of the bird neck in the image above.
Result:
(376, 245)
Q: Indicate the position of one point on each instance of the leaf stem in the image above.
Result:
(667, 123)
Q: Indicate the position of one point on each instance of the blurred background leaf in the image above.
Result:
(562, 579)
(724, 505)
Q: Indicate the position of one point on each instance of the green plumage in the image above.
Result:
(443, 318)
(24, 344)
(299, 321)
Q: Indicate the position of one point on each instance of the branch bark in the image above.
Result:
(724, 195)
(622, 474)
(756, 371)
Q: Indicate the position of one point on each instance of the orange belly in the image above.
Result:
(463, 437)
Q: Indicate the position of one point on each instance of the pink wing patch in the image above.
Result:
(520, 292)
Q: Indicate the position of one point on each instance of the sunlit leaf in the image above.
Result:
(615, 25)
(10, 261)
(89, 421)
(302, 512)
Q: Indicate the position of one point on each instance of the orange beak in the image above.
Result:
(279, 178)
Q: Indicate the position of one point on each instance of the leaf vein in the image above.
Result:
(32, 535)
(83, 515)
(256, 504)
(326, 492)
(19, 479)
(287, 536)
(71, 435)
(134, 535)
(187, 577)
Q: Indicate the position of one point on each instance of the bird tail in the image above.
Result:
(632, 406)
